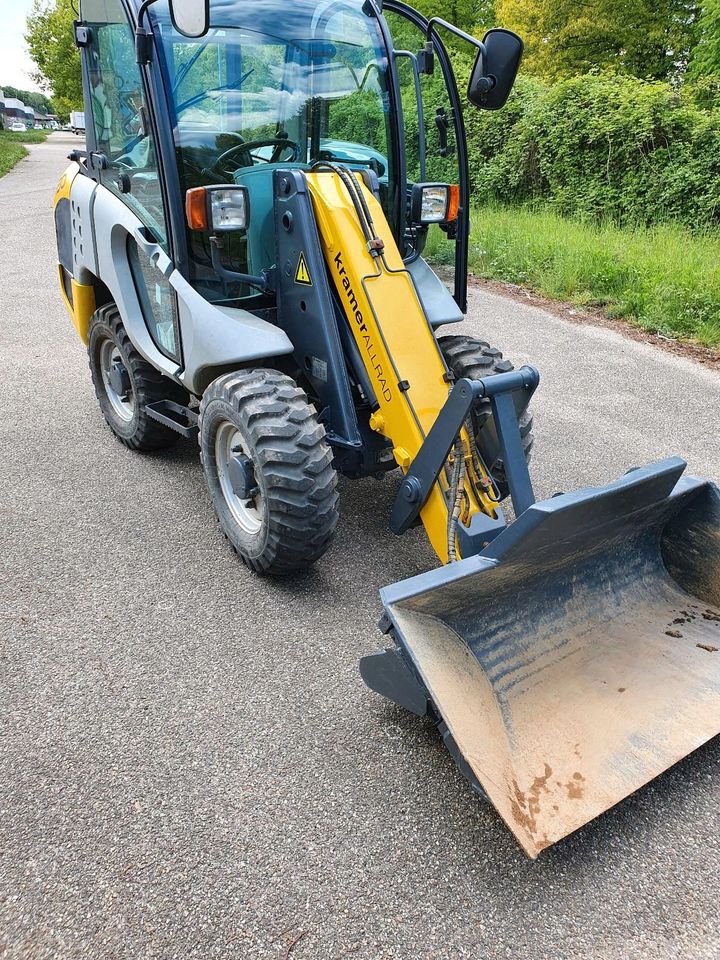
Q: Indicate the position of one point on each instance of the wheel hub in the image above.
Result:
(242, 476)
(119, 380)
(116, 380)
(237, 479)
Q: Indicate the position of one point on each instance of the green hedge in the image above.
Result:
(664, 279)
(603, 147)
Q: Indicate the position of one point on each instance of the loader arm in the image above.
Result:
(404, 364)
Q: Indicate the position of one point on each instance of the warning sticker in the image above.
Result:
(302, 274)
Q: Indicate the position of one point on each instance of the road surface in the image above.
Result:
(190, 765)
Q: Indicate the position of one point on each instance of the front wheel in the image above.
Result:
(269, 470)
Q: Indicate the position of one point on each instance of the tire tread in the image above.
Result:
(300, 483)
(149, 386)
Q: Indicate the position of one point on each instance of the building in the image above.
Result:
(12, 109)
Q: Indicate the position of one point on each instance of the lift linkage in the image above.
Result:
(425, 469)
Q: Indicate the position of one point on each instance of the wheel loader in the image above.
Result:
(259, 246)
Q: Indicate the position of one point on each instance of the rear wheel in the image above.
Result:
(269, 470)
(125, 383)
(474, 359)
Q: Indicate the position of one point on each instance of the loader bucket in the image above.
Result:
(578, 656)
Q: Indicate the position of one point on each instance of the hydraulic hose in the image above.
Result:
(374, 243)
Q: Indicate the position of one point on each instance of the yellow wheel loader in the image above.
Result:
(245, 247)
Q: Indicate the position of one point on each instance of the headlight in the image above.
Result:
(433, 203)
(229, 208)
(221, 209)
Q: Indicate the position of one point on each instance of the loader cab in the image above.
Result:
(274, 85)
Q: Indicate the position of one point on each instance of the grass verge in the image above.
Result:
(665, 279)
(12, 149)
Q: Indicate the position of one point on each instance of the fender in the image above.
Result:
(213, 337)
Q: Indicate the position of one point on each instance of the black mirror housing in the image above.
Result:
(495, 69)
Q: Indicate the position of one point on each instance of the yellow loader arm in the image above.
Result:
(551, 656)
(397, 344)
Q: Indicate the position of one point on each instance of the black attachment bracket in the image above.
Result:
(426, 59)
(427, 465)
(388, 674)
(177, 417)
(81, 34)
(264, 282)
(143, 46)
(143, 37)
(98, 161)
(442, 122)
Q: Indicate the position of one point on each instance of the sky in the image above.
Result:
(15, 63)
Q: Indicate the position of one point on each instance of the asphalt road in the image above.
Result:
(190, 765)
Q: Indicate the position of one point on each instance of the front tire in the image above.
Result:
(268, 469)
(125, 383)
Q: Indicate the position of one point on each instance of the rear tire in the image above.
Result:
(474, 359)
(268, 469)
(125, 383)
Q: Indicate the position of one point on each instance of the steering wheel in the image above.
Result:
(240, 150)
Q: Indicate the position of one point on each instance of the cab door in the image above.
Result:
(434, 135)
(122, 156)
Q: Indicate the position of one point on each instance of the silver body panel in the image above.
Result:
(212, 336)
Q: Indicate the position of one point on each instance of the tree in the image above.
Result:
(650, 39)
(705, 58)
(466, 14)
(52, 47)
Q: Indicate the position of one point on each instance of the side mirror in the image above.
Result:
(190, 17)
(495, 69)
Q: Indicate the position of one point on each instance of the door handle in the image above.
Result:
(442, 122)
(145, 240)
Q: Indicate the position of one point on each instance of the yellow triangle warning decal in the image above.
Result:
(302, 274)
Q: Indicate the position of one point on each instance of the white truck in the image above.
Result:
(77, 122)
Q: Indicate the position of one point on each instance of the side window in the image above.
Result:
(157, 301)
(356, 95)
(119, 117)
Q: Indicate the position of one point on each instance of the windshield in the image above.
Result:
(276, 83)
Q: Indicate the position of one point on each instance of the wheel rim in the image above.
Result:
(112, 368)
(247, 511)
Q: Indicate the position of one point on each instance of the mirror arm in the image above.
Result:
(438, 21)
(421, 113)
(486, 83)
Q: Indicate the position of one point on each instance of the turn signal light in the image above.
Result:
(196, 208)
(453, 202)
